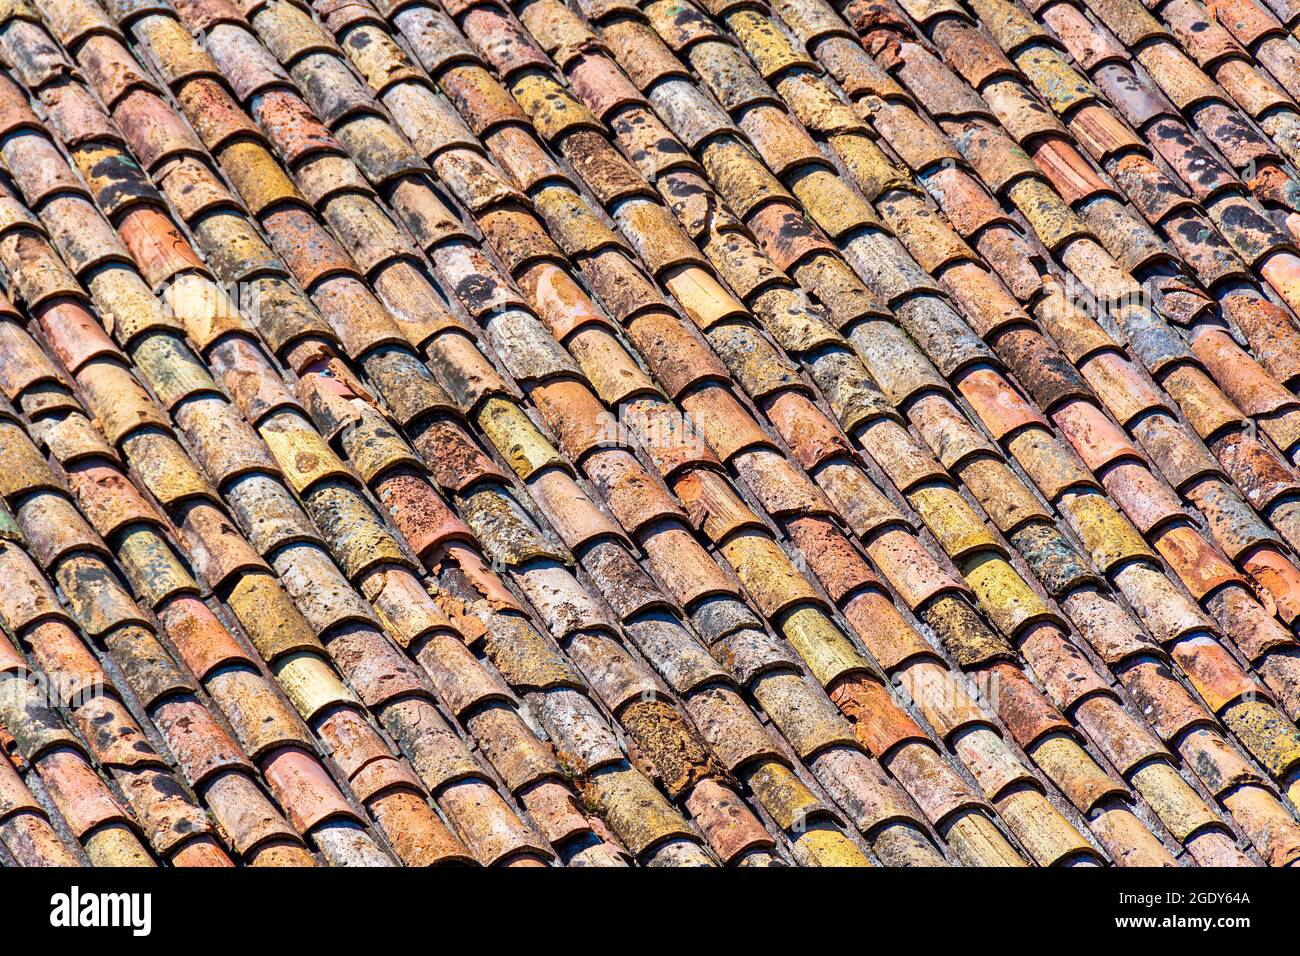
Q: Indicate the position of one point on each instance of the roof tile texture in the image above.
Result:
(511, 432)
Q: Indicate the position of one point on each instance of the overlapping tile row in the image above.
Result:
(717, 802)
(106, 731)
(1175, 451)
(1235, 221)
(708, 478)
(1171, 445)
(776, 792)
(950, 172)
(690, 410)
(1132, 484)
(1275, 682)
(990, 569)
(262, 721)
(1262, 33)
(706, 286)
(1177, 382)
(1041, 639)
(1209, 411)
(536, 464)
(1226, 199)
(348, 625)
(106, 493)
(54, 754)
(103, 612)
(28, 835)
(538, 565)
(1181, 376)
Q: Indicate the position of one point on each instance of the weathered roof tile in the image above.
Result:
(685, 385)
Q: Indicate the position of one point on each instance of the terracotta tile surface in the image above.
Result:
(642, 433)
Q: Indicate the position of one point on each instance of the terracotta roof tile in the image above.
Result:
(648, 433)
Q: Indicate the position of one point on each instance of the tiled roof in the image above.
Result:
(640, 433)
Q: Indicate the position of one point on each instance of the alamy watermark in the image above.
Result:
(62, 689)
(77, 909)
